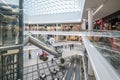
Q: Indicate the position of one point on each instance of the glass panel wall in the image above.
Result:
(11, 40)
(9, 30)
(109, 47)
(9, 24)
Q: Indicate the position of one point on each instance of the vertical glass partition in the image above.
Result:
(9, 30)
(11, 39)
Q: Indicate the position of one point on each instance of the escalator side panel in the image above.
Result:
(26, 41)
(77, 72)
(42, 46)
(70, 71)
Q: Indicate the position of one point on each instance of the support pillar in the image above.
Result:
(90, 19)
(56, 30)
(37, 30)
(24, 25)
(20, 54)
(84, 24)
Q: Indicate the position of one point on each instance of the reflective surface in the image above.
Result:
(110, 50)
(10, 33)
(10, 40)
(9, 26)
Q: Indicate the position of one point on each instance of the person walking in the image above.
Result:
(43, 76)
(52, 60)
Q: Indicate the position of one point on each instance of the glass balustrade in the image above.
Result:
(109, 47)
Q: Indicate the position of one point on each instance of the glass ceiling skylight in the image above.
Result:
(41, 7)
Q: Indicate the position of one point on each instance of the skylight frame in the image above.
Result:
(43, 7)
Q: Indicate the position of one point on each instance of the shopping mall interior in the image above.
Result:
(59, 39)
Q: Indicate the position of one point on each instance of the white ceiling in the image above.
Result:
(52, 11)
(110, 6)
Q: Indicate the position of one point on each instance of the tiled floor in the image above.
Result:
(66, 53)
(33, 60)
(32, 70)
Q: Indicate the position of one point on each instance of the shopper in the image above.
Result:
(43, 76)
(70, 46)
(56, 79)
(54, 71)
(30, 54)
(52, 60)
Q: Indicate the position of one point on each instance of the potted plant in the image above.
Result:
(43, 57)
(62, 63)
(62, 60)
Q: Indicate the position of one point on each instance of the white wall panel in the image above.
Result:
(54, 18)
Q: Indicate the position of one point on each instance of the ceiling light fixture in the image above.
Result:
(98, 9)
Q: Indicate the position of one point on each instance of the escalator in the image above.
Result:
(73, 72)
(26, 40)
(38, 43)
(77, 71)
(68, 75)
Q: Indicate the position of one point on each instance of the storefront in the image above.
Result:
(111, 22)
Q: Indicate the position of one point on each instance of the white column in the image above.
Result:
(24, 26)
(56, 30)
(37, 30)
(84, 24)
(90, 19)
(37, 27)
(90, 70)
